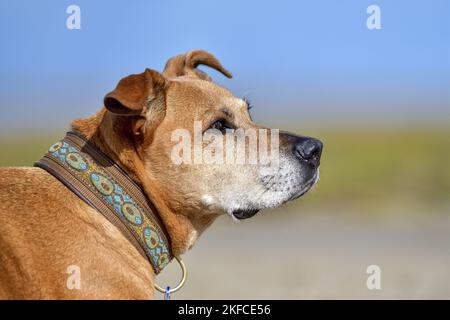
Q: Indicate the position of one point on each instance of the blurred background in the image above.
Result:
(378, 99)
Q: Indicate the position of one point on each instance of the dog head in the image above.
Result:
(179, 122)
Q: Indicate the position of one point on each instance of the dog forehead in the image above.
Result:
(234, 103)
(203, 94)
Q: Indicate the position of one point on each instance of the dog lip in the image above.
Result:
(300, 194)
(308, 185)
(242, 214)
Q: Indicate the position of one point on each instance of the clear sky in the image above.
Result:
(300, 60)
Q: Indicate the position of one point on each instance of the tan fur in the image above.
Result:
(45, 228)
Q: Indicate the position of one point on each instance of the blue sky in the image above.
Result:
(295, 59)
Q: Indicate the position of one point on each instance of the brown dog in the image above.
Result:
(45, 228)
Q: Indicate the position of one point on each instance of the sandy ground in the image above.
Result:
(285, 254)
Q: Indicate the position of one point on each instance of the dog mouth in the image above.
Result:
(242, 214)
(308, 186)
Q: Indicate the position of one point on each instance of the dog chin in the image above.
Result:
(242, 214)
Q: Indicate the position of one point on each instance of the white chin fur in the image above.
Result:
(278, 188)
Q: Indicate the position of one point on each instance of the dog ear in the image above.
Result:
(134, 93)
(186, 65)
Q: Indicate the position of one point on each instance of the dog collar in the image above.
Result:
(101, 183)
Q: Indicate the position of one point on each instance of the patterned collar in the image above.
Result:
(100, 182)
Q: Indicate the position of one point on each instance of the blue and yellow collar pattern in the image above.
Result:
(96, 179)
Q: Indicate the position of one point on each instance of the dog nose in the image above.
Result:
(309, 150)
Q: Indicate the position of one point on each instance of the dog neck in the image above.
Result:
(183, 228)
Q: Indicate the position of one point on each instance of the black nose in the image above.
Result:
(309, 150)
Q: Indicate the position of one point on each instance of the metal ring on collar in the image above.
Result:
(182, 281)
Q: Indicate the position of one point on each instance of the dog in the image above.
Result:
(46, 229)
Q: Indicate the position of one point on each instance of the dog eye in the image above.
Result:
(219, 125)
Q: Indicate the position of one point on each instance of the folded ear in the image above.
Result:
(135, 92)
(186, 65)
